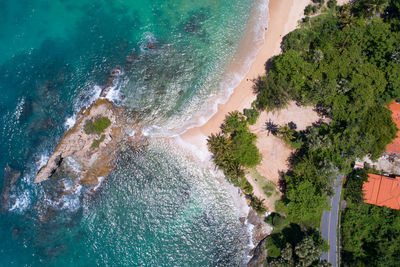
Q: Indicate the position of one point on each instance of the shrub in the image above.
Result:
(234, 121)
(252, 115)
(269, 190)
(272, 250)
(307, 10)
(332, 3)
(315, 9)
(97, 126)
(257, 204)
(96, 142)
(276, 220)
(244, 149)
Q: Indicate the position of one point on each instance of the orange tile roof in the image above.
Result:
(395, 146)
(382, 191)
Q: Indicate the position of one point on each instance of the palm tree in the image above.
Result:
(271, 127)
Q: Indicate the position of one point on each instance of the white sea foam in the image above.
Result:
(96, 93)
(22, 202)
(72, 202)
(202, 155)
(19, 108)
(250, 228)
(42, 161)
(147, 38)
(72, 164)
(81, 102)
(100, 181)
(254, 37)
(113, 93)
(70, 122)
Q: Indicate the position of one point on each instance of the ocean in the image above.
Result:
(158, 207)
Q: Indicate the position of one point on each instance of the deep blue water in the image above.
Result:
(157, 208)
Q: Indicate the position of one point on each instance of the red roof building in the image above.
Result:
(382, 191)
(395, 146)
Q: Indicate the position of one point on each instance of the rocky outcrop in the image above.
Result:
(77, 146)
(260, 233)
(260, 255)
(261, 229)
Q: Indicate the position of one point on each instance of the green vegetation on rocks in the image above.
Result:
(97, 126)
(96, 142)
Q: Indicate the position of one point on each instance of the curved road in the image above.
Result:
(329, 224)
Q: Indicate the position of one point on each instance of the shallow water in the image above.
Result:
(157, 208)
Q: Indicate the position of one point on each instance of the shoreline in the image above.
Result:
(283, 18)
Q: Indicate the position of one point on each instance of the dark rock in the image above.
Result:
(27, 110)
(116, 72)
(10, 178)
(259, 254)
(253, 218)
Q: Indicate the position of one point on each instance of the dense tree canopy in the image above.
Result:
(370, 234)
(346, 62)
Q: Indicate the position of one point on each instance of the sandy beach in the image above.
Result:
(284, 17)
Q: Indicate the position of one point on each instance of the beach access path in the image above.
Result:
(329, 224)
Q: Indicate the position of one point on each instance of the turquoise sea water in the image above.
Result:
(158, 207)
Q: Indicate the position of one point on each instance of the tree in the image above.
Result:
(305, 204)
(271, 94)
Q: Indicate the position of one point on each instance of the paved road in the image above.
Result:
(329, 224)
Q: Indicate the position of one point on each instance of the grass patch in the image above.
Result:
(96, 142)
(97, 126)
(268, 187)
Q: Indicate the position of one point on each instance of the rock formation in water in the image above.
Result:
(93, 153)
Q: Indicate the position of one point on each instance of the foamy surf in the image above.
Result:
(238, 69)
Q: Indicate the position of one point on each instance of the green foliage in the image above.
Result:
(234, 149)
(332, 3)
(252, 115)
(269, 190)
(272, 250)
(304, 203)
(245, 150)
(370, 234)
(348, 67)
(298, 40)
(276, 220)
(307, 10)
(271, 94)
(297, 247)
(96, 142)
(257, 204)
(346, 63)
(234, 121)
(353, 187)
(97, 126)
